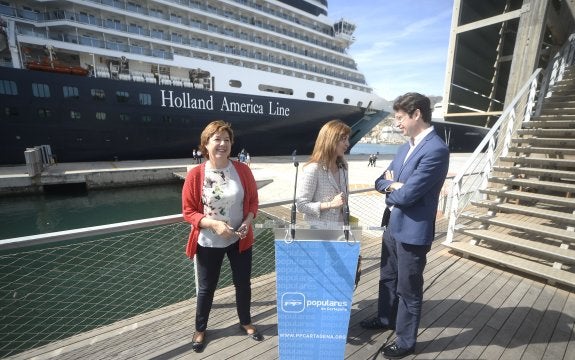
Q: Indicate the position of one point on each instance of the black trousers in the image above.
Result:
(209, 264)
(401, 288)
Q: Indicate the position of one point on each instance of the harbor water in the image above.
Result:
(43, 213)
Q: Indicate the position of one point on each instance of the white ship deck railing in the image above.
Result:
(190, 43)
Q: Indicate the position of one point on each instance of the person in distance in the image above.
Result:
(220, 201)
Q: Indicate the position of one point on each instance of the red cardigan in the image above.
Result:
(193, 207)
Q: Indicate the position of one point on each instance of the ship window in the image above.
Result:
(40, 90)
(98, 94)
(11, 111)
(100, 115)
(75, 114)
(235, 83)
(44, 113)
(329, 98)
(134, 7)
(124, 117)
(71, 92)
(145, 99)
(122, 96)
(146, 118)
(275, 89)
(310, 95)
(167, 119)
(346, 101)
(8, 87)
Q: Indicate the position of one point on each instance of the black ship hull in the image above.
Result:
(93, 119)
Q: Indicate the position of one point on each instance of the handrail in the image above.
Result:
(492, 132)
(532, 105)
(47, 238)
(55, 290)
(554, 70)
(494, 139)
(56, 236)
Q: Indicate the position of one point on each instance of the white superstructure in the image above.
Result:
(243, 46)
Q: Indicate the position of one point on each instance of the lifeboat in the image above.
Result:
(57, 68)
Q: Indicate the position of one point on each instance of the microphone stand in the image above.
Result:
(293, 207)
(345, 206)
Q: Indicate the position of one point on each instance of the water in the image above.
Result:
(362, 148)
(43, 213)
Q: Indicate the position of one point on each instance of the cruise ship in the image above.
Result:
(99, 80)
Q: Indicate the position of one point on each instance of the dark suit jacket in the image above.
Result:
(412, 219)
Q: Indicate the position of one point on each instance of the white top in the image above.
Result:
(317, 184)
(223, 197)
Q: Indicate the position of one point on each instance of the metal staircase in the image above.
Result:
(514, 204)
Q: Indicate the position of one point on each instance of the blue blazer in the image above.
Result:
(412, 220)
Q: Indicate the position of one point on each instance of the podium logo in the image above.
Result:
(293, 302)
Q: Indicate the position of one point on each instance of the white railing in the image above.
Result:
(564, 57)
(56, 285)
(474, 176)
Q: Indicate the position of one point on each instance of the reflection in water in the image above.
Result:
(36, 214)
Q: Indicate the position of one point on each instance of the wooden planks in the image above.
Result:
(471, 310)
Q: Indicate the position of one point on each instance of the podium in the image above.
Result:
(315, 273)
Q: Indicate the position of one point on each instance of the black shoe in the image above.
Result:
(198, 346)
(393, 351)
(255, 335)
(373, 324)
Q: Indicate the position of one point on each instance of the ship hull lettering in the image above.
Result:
(240, 107)
(185, 101)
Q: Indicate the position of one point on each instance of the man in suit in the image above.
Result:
(412, 184)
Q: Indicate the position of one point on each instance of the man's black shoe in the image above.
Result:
(373, 324)
(393, 351)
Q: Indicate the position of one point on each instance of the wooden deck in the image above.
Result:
(471, 311)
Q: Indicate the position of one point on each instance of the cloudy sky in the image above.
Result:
(401, 45)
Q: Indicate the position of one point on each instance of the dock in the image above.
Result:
(472, 310)
(275, 175)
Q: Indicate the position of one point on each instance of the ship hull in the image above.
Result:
(138, 121)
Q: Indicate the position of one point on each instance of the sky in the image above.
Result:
(401, 45)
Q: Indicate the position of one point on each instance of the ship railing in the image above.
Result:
(169, 55)
(473, 176)
(56, 285)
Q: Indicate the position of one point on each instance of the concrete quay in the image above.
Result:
(92, 175)
(275, 174)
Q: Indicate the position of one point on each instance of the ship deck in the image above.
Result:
(471, 310)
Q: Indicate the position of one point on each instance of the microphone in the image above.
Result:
(345, 204)
(293, 207)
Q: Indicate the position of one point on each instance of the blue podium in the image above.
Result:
(315, 281)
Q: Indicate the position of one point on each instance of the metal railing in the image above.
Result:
(474, 175)
(186, 44)
(564, 57)
(56, 285)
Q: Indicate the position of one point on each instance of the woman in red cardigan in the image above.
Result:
(220, 201)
